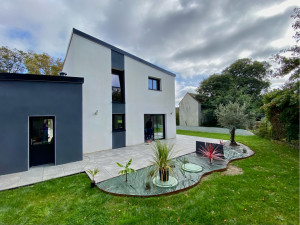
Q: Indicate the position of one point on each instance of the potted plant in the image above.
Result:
(127, 169)
(162, 155)
(93, 173)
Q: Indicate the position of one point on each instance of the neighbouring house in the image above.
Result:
(190, 113)
(121, 93)
(40, 121)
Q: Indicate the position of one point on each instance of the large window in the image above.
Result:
(153, 84)
(118, 122)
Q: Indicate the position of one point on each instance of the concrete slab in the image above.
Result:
(105, 161)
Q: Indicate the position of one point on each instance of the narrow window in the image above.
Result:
(153, 84)
(116, 88)
(118, 122)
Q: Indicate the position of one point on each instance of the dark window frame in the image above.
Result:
(122, 86)
(158, 84)
(123, 123)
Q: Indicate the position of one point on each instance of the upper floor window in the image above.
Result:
(153, 84)
(116, 84)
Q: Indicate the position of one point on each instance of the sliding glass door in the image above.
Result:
(154, 126)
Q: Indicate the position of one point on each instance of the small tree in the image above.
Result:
(126, 168)
(232, 116)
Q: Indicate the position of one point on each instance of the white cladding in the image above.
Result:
(93, 62)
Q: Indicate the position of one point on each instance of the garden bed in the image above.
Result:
(140, 184)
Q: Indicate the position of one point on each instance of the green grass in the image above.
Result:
(266, 193)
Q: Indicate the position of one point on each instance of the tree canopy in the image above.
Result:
(232, 116)
(282, 105)
(242, 82)
(12, 60)
(17, 61)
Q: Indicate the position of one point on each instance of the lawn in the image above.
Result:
(266, 193)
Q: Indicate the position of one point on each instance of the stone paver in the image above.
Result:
(215, 130)
(105, 161)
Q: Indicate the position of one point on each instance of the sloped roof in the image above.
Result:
(98, 41)
(194, 96)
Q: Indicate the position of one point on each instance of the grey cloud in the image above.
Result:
(189, 37)
(253, 35)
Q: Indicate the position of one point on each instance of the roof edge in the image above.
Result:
(98, 41)
(40, 78)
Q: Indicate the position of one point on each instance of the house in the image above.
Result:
(190, 112)
(40, 121)
(121, 93)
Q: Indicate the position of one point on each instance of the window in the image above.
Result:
(116, 88)
(118, 122)
(153, 84)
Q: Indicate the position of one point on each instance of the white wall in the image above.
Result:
(189, 111)
(140, 100)
(93, 62)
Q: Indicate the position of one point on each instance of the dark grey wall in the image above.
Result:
(117, 63)
(21, 99)
(118, 139)
(118, 108)
(117, 60)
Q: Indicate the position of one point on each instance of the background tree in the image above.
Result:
(242, 82)
(232, 116)
(42, 64)
(282, 105)
(290, 64)
(11, 60)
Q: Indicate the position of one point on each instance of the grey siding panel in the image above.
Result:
(118, 108)
(118, 139)
(19, 100)
(117, 60)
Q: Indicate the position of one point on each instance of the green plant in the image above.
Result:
(185, 161)
(148, 187)
(126, 169)
(232, 116)
(151, 173)
(93, 174)
(211, 152)
(162, 156)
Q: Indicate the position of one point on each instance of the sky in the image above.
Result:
(192, 39)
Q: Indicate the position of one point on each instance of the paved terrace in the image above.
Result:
(105, 161)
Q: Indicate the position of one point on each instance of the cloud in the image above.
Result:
(191, 38)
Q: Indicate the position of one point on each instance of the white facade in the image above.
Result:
(189, 111)
(91, 60)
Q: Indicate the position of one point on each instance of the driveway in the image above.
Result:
(105, 161)
(215, 130)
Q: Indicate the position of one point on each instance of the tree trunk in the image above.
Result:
(232, 141)
(126, 176)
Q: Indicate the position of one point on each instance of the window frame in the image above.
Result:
(158, 84)
(120, 74)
